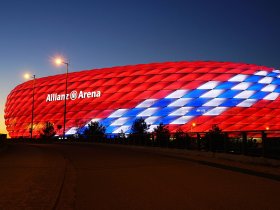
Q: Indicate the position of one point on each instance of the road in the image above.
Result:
(92, 176)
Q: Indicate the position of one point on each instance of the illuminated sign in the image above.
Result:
(73, 95)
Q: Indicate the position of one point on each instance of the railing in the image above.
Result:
(254, 143)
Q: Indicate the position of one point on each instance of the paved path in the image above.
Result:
(103, 177)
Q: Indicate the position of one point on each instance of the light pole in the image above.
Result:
(192, 126)
(59, 61)
(27, 76)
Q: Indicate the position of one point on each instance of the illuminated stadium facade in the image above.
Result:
(235, 96)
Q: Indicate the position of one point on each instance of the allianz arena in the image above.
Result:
(235, 96)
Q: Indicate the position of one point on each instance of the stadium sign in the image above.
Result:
(73, 95)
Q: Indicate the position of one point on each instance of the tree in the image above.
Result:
(215, 138)
(162, 134)
(139, 131)
(48, 131)
(182, 139)
(139, 126)
(121, 137)
(95, 129)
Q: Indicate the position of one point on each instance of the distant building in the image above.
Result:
(192, 96)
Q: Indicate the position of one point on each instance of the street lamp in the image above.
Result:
(58, 62)
(28, 76)
(192, 126)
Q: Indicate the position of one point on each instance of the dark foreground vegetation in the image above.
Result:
(253, 143)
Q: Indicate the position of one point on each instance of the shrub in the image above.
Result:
(162, 134)
(48, 131)
(139, 131)
(95, 130)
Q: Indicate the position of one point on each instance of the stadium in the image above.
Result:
(235, 96)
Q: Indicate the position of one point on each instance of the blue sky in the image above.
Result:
(94, 34)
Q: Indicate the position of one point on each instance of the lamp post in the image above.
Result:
(59, 61)
(32, 115)
(192, 126)
(28, 76)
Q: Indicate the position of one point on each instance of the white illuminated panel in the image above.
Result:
(118, 113)
(209, 85)
(266, 80)
(212, 94)
(151, 120)
(72, 131)
(182, 120)
(151, 128)
(245, 94)
(147, 103)
(147, 112)
(269, 88)
(271, 96)
(123, 128)
(261, 73)
(180, 102)
(276, 71)
(215, 102)
(238, 78)
(120, 121)
(216, 111)
(177, 94)
(247, 103)
(241, 86)
(181, 111)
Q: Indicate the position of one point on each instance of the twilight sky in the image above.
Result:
(104, 33)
